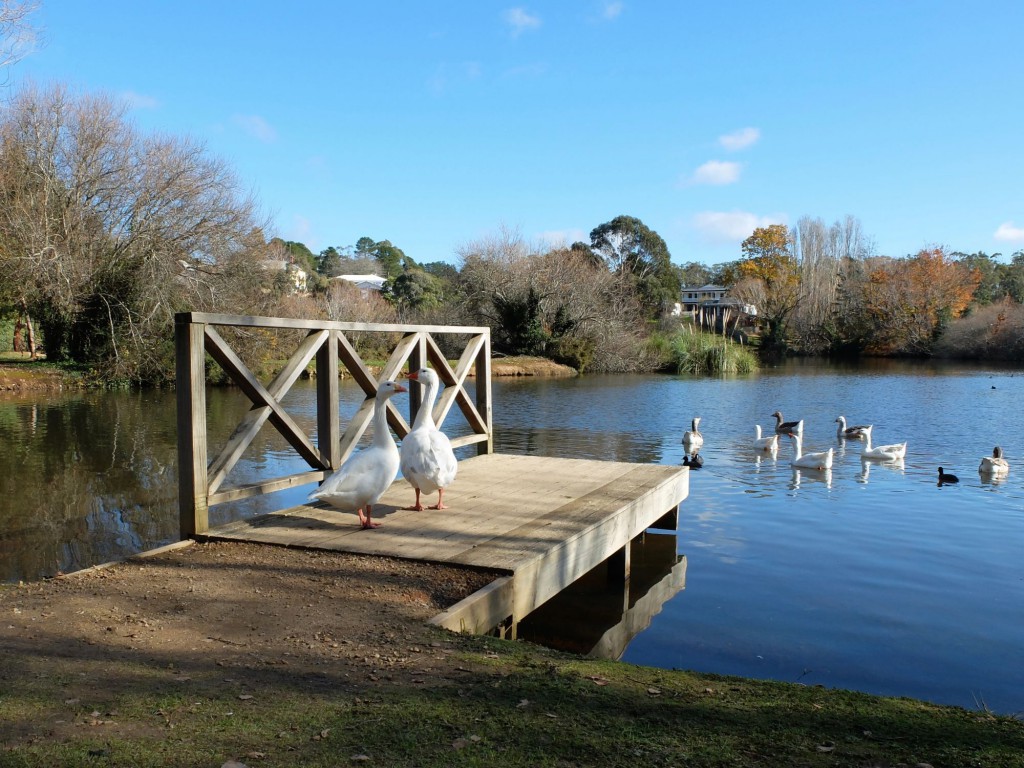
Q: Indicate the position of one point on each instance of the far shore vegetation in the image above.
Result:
(96, 259)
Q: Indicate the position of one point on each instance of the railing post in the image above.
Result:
(190, 362)
(417, 359)
(483, 393)
(327, 410)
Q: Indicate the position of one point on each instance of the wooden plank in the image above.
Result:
(212, 318)
(265, 486)
(480, 612)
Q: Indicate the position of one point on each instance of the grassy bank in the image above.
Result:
(511, 705)
(286, 658)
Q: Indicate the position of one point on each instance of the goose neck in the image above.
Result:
(425, 414)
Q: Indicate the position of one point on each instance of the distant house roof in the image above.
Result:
(364, 282)
(709, 288)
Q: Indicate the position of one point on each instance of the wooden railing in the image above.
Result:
(328, 344)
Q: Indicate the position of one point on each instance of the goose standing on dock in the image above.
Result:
(994, 465)
(427, 459)
(851, 433)
(785, 427)
(891, 451)
(769, 443)
(360, 482)
(693, 440)
(818, 460)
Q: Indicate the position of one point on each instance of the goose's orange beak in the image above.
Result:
(400, 388)
(414, 375)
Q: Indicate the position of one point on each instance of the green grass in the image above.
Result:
(498, 703)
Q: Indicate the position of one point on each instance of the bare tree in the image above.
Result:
(109, 233)
(17, 35)
(582, 305)
(825, 254)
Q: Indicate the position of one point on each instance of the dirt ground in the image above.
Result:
(242, 613)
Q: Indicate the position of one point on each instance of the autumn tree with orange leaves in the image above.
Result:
(905, 303)
(769, 278)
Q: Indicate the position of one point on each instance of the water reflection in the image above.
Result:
(892, 465)
(601, 613)
(802, 474)
(87, 477)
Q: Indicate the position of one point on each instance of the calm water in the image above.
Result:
(868, 577)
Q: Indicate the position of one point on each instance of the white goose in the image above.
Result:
(769, 443)
(818, 460)
(693, 440)
(995, 464)
(360, 482)
(856, 432)
(427, 459)
(891, 451)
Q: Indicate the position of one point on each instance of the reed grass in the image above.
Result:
(703, 354)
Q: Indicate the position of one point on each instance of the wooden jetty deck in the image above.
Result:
(544, 522)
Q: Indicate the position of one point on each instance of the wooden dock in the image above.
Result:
(541, 522)
(544, 522)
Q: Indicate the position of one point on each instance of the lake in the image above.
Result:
(870, 576)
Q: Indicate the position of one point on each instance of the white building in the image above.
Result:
(364, 283)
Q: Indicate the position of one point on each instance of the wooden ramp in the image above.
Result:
(545, 522)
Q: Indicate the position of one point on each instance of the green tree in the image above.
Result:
(391, 259)
(520, 326)
(695, 274)
(987, 267)
(1013, 277)
(639, 255)
(328, 263)
(300, 255)
(416, 289)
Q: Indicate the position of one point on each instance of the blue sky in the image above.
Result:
(436, 124)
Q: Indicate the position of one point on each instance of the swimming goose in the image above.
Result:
(770, 443)
(850, 433)
(819, 460)
(360, 482)
(693, 440)
(427, 459)
(994, 464)
(945, 478)
(785, 427)
(891, 451)
(694, 462)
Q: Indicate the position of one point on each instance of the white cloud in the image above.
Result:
(732, 226)
(611, 10)
(520, 20)
(139, 100)
(256, 127)
(717, 173)
(1009, 233)
(741, 139)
